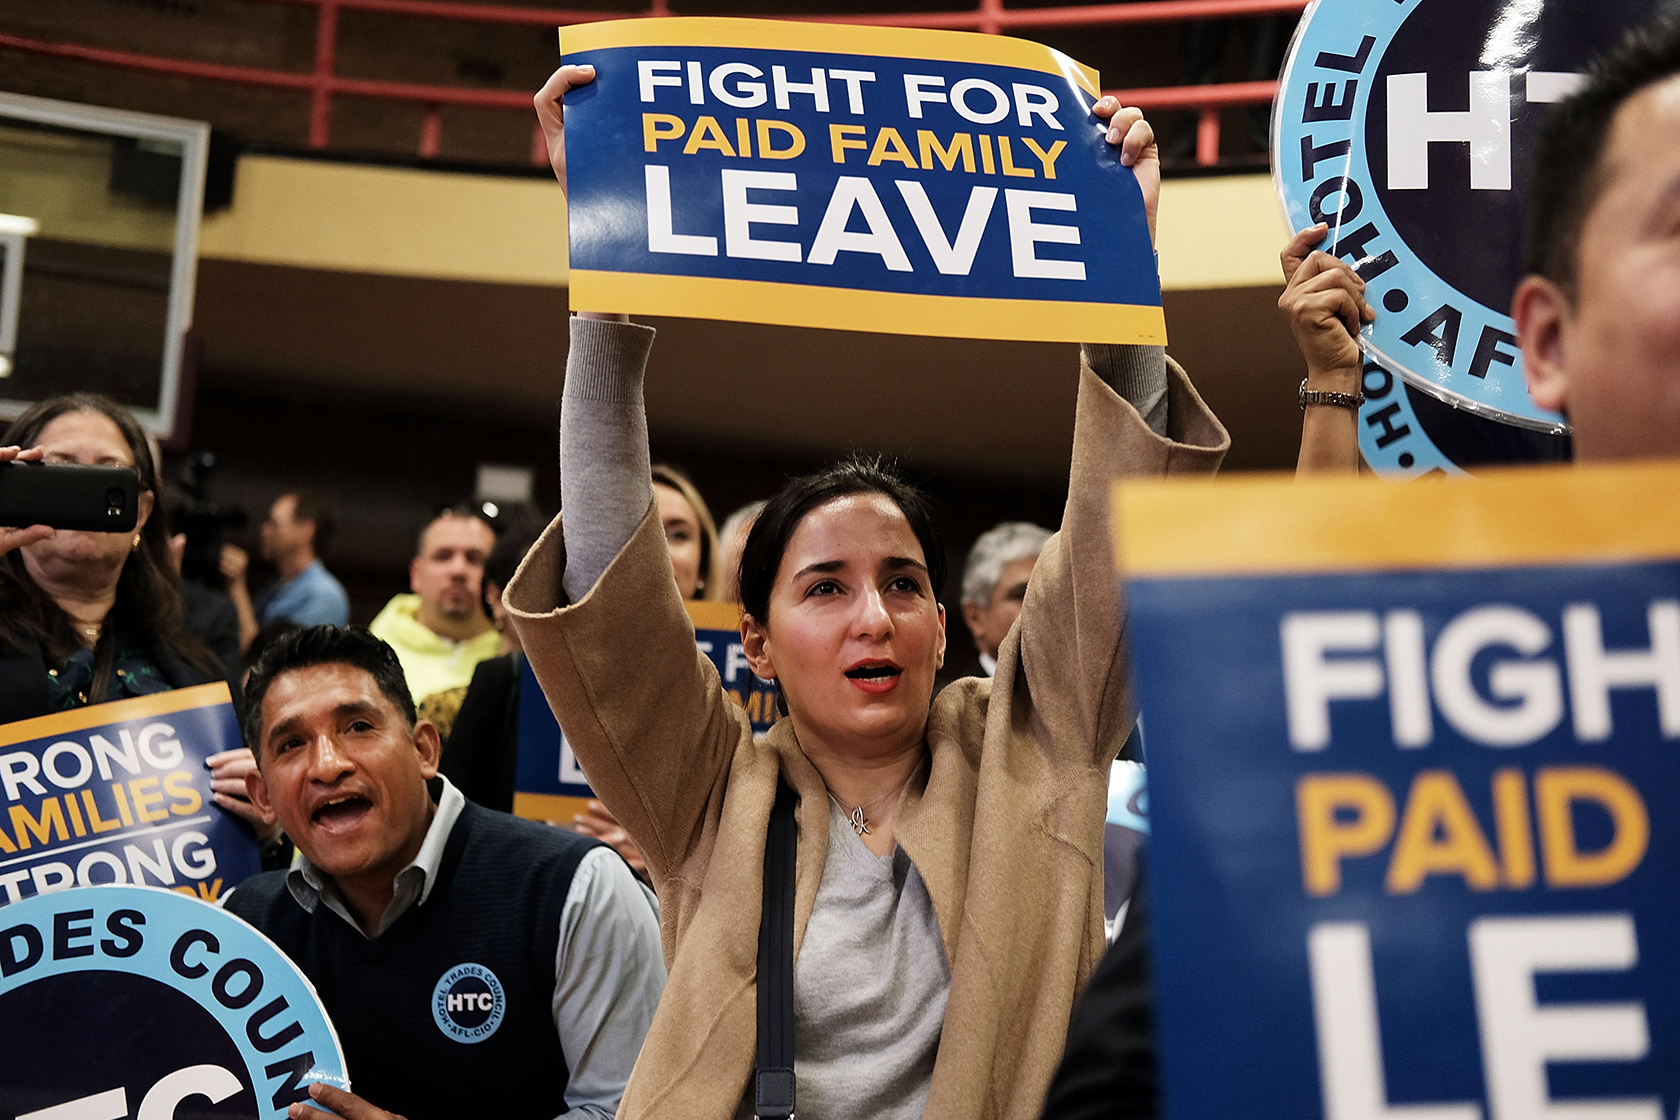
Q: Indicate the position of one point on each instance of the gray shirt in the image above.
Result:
(609, 970)
(869, 987)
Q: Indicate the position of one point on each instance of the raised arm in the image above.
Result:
(596, 605)
(1138, 415)
(1324, 301)
(606, 481)
(603, 625)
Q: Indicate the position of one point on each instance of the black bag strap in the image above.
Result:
(773, 1087)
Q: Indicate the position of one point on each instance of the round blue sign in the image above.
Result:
(1408, 127)
(120, 1001)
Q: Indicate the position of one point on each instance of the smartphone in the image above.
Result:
(69, 496)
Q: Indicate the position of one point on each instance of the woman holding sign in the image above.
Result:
(948, 885)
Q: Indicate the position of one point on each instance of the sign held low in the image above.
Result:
(120, 793)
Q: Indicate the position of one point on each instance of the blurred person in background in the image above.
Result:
(690, 534)
(994, 585)
(733, 536)
(89, 618)
(440, 629)
(481, 743)
(1598, 313)
(208, 615)
(480, 721)
(296, 533)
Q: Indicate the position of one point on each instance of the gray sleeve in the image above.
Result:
(605, 484)
(608, 975)
(1137, 373)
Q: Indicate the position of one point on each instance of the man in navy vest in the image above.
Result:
(474, 964)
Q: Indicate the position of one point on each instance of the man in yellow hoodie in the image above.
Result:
(440, 631)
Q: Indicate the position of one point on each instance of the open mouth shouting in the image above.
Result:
(342, 812)
(875, 675)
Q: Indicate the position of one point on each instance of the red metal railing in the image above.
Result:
(323, 83)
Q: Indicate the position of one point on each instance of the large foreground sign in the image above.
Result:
(126, 1001)
(1414, 761)
(119, 793)
(1409, 127)
(821, 175)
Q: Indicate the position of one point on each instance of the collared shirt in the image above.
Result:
(988, 665)
(609, 970)
(313, 597)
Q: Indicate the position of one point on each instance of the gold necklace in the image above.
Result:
(856, 818)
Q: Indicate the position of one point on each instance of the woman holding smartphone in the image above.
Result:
(85, 617)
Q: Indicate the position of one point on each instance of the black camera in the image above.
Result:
(204, 521)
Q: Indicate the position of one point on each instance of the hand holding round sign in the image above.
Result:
(122, 1001)
(1407, 128)
(347, 1105)
(1324, 301)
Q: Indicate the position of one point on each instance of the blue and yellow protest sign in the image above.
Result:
(119, 793)
(1414, 765)
(549, 785)
(822, 175)
(122, 1001)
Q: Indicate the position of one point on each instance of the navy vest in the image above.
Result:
(446, 1014)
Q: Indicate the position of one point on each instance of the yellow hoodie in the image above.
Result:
(431, 662)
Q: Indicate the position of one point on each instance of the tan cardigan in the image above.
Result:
(1004, 820)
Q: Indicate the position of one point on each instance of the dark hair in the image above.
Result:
(148, 604)
(312, 507)
(761, 559)
(265, 638)
(324, 645)
(459, 509)
(1569, 172)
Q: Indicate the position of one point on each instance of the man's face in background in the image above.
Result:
(990, 622)
(1609, 353)
(449, 569)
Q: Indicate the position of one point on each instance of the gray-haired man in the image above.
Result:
(995, 582)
